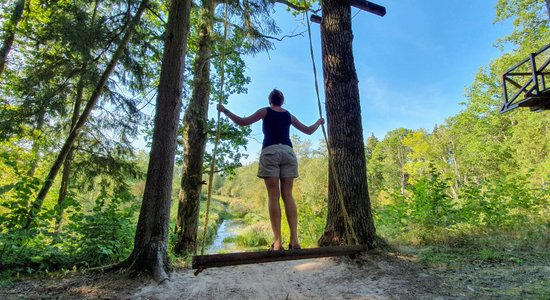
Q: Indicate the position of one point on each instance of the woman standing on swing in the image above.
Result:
(278, 164)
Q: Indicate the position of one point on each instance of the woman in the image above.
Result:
(278, 165)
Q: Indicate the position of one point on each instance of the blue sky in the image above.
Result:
(413, 64)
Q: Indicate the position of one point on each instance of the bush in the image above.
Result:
(430, 205)
(105, 235)
(502, 204)
(102, 236)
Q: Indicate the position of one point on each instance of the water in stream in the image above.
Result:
(228, 228)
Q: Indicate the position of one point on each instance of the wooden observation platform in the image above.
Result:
(528, 80)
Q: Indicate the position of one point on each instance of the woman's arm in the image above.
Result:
(307, 129)
(255, 117)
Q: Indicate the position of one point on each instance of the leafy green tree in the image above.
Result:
(302, 147)
(430, 204)
(128, 31)
(235, 40)
(393, 154)
(195, 134)
(374, 167)
(530, 20)
(445, 156)
(419, 158)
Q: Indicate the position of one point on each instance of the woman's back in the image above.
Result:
(276, 127)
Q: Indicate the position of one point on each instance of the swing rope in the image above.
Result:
(351, 237)
(218, 133)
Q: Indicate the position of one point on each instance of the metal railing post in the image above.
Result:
(534, 69)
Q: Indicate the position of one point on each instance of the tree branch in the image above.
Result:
(258, 34)
(156, 15)
(293, 6)
(283, 37)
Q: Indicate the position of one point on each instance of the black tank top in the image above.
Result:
(276, 128)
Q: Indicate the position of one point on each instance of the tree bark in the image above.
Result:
(37, 204)
(345, 133)
(150, 251)
(195, 130)
(67, 165)
(10, 29)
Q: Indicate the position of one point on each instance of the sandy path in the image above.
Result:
(369, 277)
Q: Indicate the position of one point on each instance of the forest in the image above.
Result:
(77, 79)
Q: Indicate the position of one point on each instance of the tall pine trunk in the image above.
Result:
(345, 132)
(9, 29)
(195, 129)
(67, 165)
(151, 241)
(48, 182)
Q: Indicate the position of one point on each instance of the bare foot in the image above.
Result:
(277, 246)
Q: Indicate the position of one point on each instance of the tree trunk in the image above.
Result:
(67, 165)
(151, 241)
(195, 129)
(345, 133)
(10, 28)
(37, 204)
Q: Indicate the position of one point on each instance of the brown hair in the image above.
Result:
(276, 97)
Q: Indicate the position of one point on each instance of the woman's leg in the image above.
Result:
(290, 209)
(273, 196)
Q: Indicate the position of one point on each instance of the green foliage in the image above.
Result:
(15, 192)
(101, 236)
(502, 204)
(478, 174)
(427, 214)
(429, 203)
(106, 234)
(14, 198)
(255, 236)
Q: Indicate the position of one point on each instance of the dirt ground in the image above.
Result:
(374, 275)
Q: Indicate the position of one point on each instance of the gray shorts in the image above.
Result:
(278, 161)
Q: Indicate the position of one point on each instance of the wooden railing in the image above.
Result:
(527, 80)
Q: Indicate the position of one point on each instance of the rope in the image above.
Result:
(351, 237)
(218, 133)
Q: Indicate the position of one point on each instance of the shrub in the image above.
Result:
(106, 234)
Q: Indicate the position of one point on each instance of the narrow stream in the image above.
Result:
(228, 228)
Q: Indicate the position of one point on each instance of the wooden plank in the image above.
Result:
(368, 6)
(315, 19)
(361, 4)
(535, 102)
(221, 260)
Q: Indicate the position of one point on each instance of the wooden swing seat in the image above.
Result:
(201, 262)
